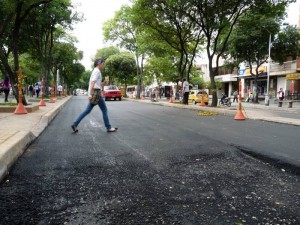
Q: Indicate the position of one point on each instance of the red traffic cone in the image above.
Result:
(20, 109)
(239, 115)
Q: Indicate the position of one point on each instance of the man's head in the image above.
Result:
(183, 79)
(99, 63)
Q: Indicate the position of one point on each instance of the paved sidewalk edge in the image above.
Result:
(11, 151)
(221, 111)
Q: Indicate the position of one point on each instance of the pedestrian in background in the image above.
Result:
(6, 88)
(235, 96)
(95, 83)
(156, 93)
(37, 89)
(30, 89)
(186, 91)
(281, 94)
(59, 89)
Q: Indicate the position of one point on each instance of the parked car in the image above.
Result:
(111, 92)
(195, 96)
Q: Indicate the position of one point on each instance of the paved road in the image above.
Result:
(164, 166)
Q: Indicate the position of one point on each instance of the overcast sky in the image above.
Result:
(89, 32)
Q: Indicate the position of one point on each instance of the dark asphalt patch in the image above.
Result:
(223, 188)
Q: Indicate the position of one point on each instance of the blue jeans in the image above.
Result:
(89, 108)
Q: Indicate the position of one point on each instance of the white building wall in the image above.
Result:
(281, 83)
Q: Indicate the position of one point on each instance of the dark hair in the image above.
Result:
(98, 61)
(6, 80)
(184, 79)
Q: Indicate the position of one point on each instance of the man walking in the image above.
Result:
(186, 91)
(235, 96)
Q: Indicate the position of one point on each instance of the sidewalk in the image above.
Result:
(271, 113)
(18, 131)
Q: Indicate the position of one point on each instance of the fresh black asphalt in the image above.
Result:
(164, 166)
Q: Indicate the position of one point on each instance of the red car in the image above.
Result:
(110, 92)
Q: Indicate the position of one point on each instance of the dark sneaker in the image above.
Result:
(74, 128)
(112, 129)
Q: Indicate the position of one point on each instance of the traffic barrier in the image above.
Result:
(42, 102)
(20, 108)
(239, 115)
(143, 95)
(202, 99)
(52, 99)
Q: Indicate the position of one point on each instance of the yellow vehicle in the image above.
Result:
(195, 97)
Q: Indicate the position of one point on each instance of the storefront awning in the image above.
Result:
(225, 78)
(293, 76)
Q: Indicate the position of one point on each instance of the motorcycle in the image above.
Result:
(225, 101)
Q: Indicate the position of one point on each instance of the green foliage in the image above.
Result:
(286, 44)
(167, 25)
(83, 82)
(121, 67)
(33, 28)
(162, 68)
(105, 53)
(30, 68)
(73, 73)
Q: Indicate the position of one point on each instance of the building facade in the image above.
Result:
(286, 76)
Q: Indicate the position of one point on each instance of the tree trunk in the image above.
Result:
(255, 90)
(15, 38)
(213, 84)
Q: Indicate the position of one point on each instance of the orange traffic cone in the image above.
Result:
(20, 109)
(202, 97)
(143, 95)
(42, 102)
(239, 115)
(202, 102)
(52, 99)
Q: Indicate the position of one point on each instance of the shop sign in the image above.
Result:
(225, 78)
(262, 70)
(293, 76)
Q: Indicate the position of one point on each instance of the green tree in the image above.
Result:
(217, 20)
(162, 68)
(45, 26)
(105, 53)
(166, 21)
(122, 66)
(12, 16)
(64, 55)
(286, 44)
(253, 46)
(71, 73)
(121, 29)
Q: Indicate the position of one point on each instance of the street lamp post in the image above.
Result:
(267, 100)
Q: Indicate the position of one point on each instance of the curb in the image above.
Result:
(223, 111)
(14, 149)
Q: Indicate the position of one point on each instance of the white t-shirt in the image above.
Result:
(186, 87)
(97, 77)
